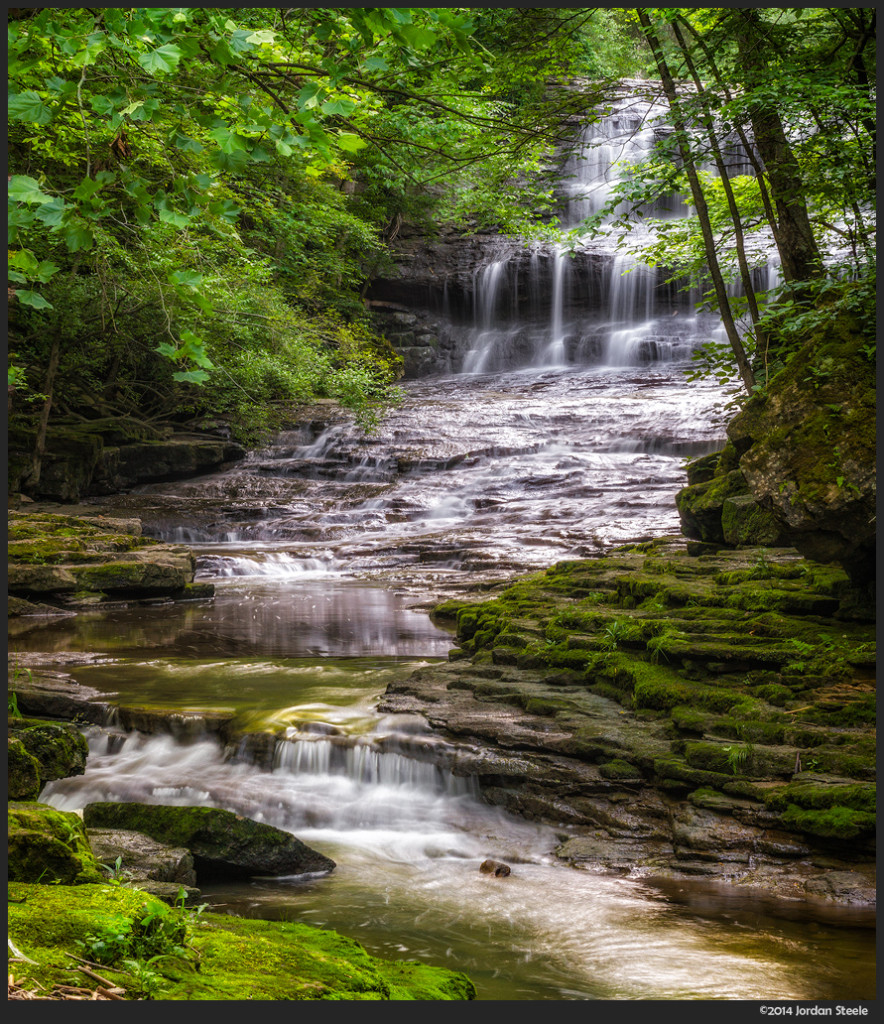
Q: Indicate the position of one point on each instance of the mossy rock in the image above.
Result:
(222, 843)
(816, 793)
(47, 845)
(700, 505)
(840, 823)
(147, 577)
(744, 522)
(745, 759)
(238, 959)
(59, 748)
(22, 772)
(808, 445)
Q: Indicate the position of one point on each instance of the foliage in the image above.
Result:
(187, 180)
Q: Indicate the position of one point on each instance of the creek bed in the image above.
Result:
(326, 549)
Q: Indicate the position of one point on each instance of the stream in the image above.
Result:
(561, 431)
(325, 552)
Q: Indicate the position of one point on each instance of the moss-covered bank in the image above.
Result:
(146, 949)
(65, 563)
(713, 711)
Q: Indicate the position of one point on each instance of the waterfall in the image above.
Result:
(365, 765)
(586, 302)
(504, 304)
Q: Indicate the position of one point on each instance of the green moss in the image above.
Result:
(813, 795)
(48, 845)
(842, 823)
(619, 770)
(238, 959)
(59, 749)
(773, 693)
(22, 772)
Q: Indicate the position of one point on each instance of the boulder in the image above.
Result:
(807, 448)
(22, 772)
(222, 843)
(58, 748)
(495, 867)
(142, 857)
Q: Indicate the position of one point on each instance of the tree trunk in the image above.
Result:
(699, 200)
(799, 254)
(40, 445)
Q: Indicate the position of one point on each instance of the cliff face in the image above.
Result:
(799, 468)
(806, 448)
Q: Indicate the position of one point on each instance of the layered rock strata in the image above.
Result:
(685, 715)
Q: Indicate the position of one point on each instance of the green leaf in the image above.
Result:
(308, 97)
(376, 64)
(135, 108)
(342, 107)
(23, 189)
(27, 106)
(228, 141)
(173, 217)
(25, 261)
(194, 348)
(167, 350)
(263, 36)
(86, 189)
(187, 145)
(191, 376)
(34, 270)
(186, 278)
(77, 235)
(418, 37)
(162, 60)
(350, 143)
(34, 299)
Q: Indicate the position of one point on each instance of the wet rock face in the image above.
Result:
(807, 450)
(100, 459)
(142, 857)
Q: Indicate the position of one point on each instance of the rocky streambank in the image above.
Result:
(61, 562)
(104, 906)
(679, 710)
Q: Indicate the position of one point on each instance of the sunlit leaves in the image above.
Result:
(24, 189)
(350, 143)
(162, 60)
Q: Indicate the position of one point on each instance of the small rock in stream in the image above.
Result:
(494, 867)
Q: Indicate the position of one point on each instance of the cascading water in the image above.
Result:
(587, 302)
(565, 434)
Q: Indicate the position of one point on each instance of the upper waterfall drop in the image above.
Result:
(585, 302)
(489, 304)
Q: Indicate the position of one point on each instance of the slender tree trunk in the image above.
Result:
(743, 137)
(699, 200)
(739, 238)
(798, 249)
(49, 385)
